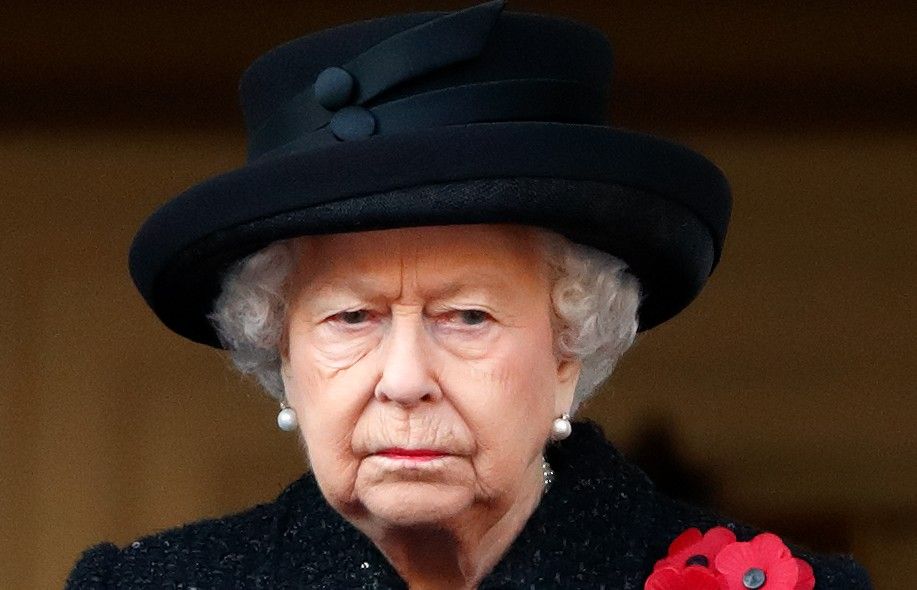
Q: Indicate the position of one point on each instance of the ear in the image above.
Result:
(283, 345)
(286, 375)
(568, 372)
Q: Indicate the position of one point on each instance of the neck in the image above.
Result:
(460, 552)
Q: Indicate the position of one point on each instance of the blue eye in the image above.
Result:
(473, 317)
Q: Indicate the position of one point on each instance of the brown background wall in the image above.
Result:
(784, 395)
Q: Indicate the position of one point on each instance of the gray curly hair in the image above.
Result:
(595, 303)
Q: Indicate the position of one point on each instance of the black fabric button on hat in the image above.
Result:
(333, 87)
(352, 123)
(346, 126)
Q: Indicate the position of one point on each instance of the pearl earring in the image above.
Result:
(561, 427)
(286, 418)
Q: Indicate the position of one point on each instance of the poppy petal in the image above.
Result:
(735, 559)
(699, 578)
(719, 536)
(805, 579)
(663, 579)
(692, 578)
(770, 547)
(782, 575)
(688, 538)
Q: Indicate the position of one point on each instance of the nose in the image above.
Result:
(407, 377)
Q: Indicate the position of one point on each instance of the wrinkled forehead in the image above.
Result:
(430, 260)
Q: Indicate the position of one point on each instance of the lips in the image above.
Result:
(411, 454)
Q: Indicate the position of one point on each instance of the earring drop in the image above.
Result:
(561, 428)
(286, 418)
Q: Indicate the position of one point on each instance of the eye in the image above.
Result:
(351, 317)
(472, 317)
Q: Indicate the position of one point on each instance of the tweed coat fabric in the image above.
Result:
(602, 524)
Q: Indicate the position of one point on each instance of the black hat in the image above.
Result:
(433, 118)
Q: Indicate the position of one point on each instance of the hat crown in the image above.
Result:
(392, 122)
(518, 46)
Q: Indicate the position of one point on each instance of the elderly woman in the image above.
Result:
(436, 252)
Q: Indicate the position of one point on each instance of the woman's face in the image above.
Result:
(420, 363)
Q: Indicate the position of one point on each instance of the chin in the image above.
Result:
(415, 503)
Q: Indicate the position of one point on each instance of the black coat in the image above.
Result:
(602, 524)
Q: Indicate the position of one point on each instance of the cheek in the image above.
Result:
(508, 403)
(329, 401)
(522, 387)
(524, 373)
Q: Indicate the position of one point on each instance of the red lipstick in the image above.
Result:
(412, 454)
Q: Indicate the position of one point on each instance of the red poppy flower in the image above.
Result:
(763, 563)
(691, 578)
(691, 548)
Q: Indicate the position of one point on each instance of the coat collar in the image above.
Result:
(590, 530)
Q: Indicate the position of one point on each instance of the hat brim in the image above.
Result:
(657, 205)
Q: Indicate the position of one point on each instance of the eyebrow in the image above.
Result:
(469, 282)
(360, 286)
(371, 289)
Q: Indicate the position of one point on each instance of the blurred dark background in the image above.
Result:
(783, 396)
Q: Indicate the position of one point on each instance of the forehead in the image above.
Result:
(491, 256)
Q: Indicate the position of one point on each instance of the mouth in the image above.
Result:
(411, 454)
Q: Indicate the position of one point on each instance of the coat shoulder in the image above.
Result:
(832, 571)
(624, 524)
(208, 553)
